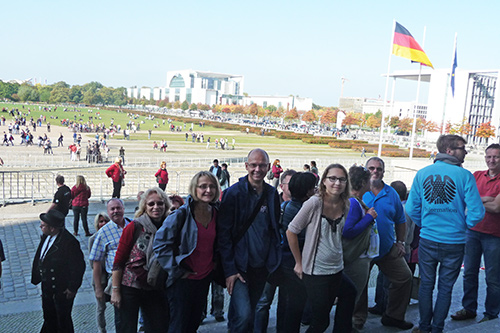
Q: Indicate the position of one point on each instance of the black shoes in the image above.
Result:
(392, 322)
(463, 315)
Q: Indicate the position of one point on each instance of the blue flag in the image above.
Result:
(453, 68)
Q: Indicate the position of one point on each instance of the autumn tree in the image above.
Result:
(431, 126)
(329, 117)
(292, 114)
(309, 116)
(394, 122)
(373, 122)
(253, 110)
(278, 113)
(353, 118)
(405, 124)
(485, 131)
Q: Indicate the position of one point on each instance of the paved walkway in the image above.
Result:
(20, 303)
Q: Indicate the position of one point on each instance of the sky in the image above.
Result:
(288, 47)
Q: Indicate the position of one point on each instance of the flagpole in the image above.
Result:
(413, 134)
(443, 124)
(386, 88)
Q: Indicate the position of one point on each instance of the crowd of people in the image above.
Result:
(316, 241)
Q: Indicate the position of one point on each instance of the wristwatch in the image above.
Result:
(401, 242)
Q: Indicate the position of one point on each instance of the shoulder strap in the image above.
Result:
(249, 221)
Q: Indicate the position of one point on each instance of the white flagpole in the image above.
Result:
(384, 109)
(448, 85)
(413, 132)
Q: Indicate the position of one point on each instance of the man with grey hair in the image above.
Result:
(105, 246)
(249, 239)
(392, 233)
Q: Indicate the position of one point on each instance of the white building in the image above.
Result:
(213, 88)
(370, 105)
(204, 87)
(287, 102)
(474, 98)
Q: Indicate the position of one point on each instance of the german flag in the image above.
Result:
(406, 46)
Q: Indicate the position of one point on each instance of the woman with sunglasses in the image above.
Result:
(184, 246)
(320, 264)
(135, 250)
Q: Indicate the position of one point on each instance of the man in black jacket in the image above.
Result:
(59, 265)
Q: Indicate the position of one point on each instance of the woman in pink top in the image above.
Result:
(276, 170)
(80, 193)
(184, 246)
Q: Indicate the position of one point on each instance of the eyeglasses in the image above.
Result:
(334, 179)
(205, 186)
(158, 203)
(255, 165)
(460, 148)
(372, 168)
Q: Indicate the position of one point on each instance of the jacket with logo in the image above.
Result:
(444, 202)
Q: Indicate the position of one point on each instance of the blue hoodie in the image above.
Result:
(444, 201)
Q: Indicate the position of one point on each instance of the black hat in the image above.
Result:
(53, 218)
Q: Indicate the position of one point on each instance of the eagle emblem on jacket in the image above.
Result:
(439, 190)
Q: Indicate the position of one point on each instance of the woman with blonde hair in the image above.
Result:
(320, 264)
(134, 255)
(80, 193)
(276, 170)
(184, 246)
(162, 176)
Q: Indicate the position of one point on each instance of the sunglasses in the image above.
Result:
(158, 203)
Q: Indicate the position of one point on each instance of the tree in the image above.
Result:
(292, 114)
(253, 110)
(352, 118)
(485, 131)
(59, 94)
(463, 128)
(405, 124)
(226, 110)
(75, 94)
(177, 105)
(431, 126)
(373, 121)
(25, 92)
(309, 116)
(184, 106)
(394, 122)
(44, 92)
(329, 117)
(193, 107)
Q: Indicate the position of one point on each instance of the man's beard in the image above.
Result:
(377, 183)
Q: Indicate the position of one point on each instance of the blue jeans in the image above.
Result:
(478, 244)
(241, 314)
(449, 257)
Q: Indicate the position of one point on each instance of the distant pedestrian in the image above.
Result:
(62, 197)
(2, 258)
(363, 152)
(162, 176)
(276, 170)
(80, 193)
(117, 173)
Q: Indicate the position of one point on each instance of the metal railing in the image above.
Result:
(39, 185)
